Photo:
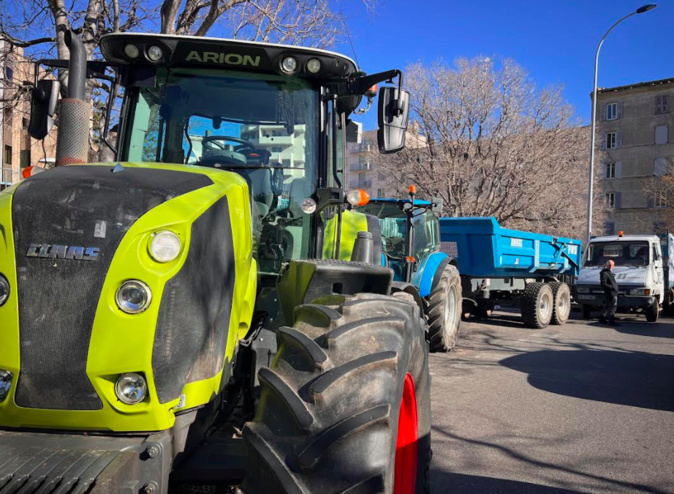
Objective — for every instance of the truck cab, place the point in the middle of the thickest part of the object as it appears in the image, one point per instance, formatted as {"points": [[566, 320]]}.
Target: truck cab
{"points": [[639, 271]]}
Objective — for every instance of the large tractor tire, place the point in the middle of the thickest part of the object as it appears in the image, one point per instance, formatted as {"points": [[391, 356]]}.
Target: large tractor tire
{"points": [[536, 305], [345, 408], [444, 311], [561, 308]]}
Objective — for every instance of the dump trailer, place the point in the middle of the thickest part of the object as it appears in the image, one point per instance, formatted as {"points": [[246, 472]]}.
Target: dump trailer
{"points": [[410, 234], [642, 268], [204, 312], [503, 267]]}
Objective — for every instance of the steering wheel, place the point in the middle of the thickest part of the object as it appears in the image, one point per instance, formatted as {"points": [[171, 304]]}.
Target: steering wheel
{"points": [[243, 144], [391, 245]]}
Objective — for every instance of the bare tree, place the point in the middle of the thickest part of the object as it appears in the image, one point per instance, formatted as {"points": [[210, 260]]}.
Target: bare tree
{"points": [[659, 191], [491, 144]]}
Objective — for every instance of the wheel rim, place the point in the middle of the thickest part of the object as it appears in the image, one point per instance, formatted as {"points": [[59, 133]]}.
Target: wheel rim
{"points": [[407, 442], [545, 306], [564, 305], [450, 310]]}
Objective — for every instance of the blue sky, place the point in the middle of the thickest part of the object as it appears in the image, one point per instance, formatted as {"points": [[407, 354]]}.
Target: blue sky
{"points": [[554, 40]]}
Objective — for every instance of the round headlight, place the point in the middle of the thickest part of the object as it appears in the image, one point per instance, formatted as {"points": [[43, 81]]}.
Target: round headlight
{"points": [[314, 65], [289, 65], [131, 388], [131, 51], [164, 246], [154, 53], [5, 384], [4, 290], [133, 297]]}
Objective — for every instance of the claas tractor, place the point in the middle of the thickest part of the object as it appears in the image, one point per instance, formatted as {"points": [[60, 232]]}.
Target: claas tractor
{"points": [[410, 235], [205, 313]]}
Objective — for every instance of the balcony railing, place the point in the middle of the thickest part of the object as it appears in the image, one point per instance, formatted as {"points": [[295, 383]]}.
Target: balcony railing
{"points": [[360, 184], [9, 176], [358, 167]]}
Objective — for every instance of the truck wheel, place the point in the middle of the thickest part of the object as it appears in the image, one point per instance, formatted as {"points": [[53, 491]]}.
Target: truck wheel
{"points": [[587, 311], [444, 311], [561, 308], [536, 305], [652, 312], [345, 408]]}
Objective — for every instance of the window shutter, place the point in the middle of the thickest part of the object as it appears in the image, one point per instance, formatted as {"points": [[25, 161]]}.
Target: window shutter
{"points": [[619, 110], [619, 169], [603, 141], [618, 197], [618, 139], [602, 113], [650, 202]]}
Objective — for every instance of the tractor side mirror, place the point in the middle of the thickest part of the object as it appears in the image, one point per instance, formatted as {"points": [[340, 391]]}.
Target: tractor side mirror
{"points": [[394, 113], [43, 100]]}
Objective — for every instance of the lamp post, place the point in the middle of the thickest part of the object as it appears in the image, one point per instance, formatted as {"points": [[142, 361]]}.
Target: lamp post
{"points": [[640, 10]]}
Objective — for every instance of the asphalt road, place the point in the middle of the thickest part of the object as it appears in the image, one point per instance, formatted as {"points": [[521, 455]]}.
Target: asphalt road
{"points": [[580, 408]]}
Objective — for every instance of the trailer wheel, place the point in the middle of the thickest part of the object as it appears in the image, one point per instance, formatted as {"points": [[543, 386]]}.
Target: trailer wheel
{"points": [[561, 308], [587, 311], [444, 311], [346, 405], [537, 305], [652, 312]]}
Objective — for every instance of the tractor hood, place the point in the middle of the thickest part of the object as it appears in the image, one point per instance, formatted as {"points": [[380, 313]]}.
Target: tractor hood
{"points": [[73, 236], [634, 276]]}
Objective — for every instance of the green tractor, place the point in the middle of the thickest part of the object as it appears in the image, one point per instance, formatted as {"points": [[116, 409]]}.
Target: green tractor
{"points": [[205, 313]]}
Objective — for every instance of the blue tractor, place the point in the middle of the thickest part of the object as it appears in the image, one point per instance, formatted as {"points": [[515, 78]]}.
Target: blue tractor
{"points": [[411, 248]]}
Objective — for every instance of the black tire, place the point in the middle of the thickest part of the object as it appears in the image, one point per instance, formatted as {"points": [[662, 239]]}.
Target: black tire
{"points": [[587, 311], [327, 422], [652, 312], [536, 305], [561, 309], [444, 311]]}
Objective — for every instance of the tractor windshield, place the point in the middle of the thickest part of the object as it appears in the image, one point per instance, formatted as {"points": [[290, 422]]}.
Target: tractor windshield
{"points": [[263, 127]]}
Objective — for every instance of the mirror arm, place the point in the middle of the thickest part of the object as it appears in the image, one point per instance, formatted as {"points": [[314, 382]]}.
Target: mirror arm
{"points": [[359, 85], [111, 99]]}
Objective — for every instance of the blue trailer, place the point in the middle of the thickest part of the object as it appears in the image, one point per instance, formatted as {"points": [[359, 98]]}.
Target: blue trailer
{"points": [[411, 248], [505, 267]]}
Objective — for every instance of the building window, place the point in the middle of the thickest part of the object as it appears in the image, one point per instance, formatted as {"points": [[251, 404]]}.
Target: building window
{"points": [[24, 158], [610, 200], [609, 228], [660, 199], [610, 170], [9, 73], [277, 149], [662, 104], [612, 111], [661, 167], [363, 163], [8, 155], [661, 134], [611, 140], [381, 193]]}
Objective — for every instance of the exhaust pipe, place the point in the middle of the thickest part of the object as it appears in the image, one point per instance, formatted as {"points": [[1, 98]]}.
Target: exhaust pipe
{"points": [[72, 145]]}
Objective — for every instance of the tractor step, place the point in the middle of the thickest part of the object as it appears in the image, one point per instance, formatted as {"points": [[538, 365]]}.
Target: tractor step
{"points": [[216, 460], [47, 463]]}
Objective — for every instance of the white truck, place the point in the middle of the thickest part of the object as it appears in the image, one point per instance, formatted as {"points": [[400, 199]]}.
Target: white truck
{"points": [[644, 270]]}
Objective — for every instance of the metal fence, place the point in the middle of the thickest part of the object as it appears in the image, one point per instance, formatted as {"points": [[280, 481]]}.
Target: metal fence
{"points": [[9, 176]]}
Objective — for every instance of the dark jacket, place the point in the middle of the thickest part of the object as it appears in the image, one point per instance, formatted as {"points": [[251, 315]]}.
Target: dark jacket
{"points": [[608, 282]]}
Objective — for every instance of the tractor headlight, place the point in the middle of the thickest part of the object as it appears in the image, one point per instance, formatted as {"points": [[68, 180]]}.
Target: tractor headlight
{"points": [[133, 297], [4, 290], [131, 51], [640, 291], [131, 388], [154, 53], [314, 65], [5, 384], [165, 246], [289, 65]]}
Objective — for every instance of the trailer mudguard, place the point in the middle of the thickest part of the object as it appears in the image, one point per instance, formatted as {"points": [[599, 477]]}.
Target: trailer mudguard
{"points": [[428, 274]]}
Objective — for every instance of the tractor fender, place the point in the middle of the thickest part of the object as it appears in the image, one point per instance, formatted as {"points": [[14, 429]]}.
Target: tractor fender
{"points": [[428, 275], [401, 286]]}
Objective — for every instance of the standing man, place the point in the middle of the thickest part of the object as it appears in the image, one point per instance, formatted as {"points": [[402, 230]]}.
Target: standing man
{"points": [[608, 283]]}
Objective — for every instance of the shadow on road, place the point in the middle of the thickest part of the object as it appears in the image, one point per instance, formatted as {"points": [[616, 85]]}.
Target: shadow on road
{"points": [[457, 483], [637, 379]]}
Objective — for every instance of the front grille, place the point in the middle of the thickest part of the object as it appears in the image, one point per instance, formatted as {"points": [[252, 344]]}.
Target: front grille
{"points": [[86, 206]]}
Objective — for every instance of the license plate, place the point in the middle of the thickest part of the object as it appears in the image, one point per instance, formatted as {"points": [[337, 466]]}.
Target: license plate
{"points": [[585, 297]]}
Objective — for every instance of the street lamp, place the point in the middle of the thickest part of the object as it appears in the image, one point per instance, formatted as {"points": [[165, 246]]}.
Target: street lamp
{"points": [[640, 10]]}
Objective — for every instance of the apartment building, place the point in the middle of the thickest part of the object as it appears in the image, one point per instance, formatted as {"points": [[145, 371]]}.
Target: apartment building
{"points": [[636, 147], [19, 150], [361, 169]]}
